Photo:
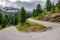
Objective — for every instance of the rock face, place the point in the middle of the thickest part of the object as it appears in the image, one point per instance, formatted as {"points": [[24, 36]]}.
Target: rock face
{"points": [[54, 17]]}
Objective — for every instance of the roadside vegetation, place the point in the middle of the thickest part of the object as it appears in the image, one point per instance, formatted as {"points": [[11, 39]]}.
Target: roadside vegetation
{"points": [[3, 20], [51, 12], [24, 25], [31, 27]]}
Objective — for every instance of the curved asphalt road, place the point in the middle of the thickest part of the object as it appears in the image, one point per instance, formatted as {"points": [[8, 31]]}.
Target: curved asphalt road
{"points": [[11, 33]]}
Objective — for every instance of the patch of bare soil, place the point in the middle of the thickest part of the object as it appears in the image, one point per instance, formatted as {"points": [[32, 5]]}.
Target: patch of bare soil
{"points": [[53, 17], [37, 29]]}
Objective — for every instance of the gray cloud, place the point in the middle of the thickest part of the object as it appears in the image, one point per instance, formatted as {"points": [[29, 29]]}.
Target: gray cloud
{"points": [[28, 5], [4, 0]]}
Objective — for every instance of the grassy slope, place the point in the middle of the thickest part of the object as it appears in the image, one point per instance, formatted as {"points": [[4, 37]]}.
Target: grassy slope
{"points": [[46, 13], [29, 26]]}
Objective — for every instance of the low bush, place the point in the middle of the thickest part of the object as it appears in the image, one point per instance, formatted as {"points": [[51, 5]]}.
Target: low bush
{"points": [[21, 27], [30, 27], [35, 24], [0, 27]]}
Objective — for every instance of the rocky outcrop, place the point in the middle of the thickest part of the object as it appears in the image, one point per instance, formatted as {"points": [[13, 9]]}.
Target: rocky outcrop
{"points": [[54, 17]]}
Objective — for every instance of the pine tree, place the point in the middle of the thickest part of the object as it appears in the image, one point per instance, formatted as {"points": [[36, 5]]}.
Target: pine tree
{"points": [[38, 10], [0, 18], [23, 15], [15, 19], [58, 5], [48, 5], [34, 13], [4, 20], [28, 15], [53, 7]]}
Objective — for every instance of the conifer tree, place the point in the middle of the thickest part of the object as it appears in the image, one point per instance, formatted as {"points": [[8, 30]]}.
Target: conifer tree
{"points": [[58, 5], [38, 10], [23, 15], [48, 5], [53, 6], [34, 12], [15, 19], [4, 20], [0, 18]]}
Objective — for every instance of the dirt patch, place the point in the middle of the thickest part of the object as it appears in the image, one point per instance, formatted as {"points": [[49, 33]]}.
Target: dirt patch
{"points": [[33, 28], [53, 17]]}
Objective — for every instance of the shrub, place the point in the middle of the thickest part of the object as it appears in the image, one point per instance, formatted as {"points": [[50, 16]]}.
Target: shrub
{"points": [[35, 24], [0, 27], [21, 27], [29, 26]]}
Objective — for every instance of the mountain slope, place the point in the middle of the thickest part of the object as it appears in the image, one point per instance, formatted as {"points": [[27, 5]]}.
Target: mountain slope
{"points": [[54, 17]]}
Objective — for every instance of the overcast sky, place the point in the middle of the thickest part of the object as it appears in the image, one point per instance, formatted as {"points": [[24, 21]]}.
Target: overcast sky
{"points": [[21, 0], [3, 2], [14, 3]]}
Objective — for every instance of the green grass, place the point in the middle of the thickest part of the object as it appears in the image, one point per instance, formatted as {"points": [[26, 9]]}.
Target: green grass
{"points": [[42, 14], [1, 27], [45, 13], [28, 24], [35, 24], [21, 27]]}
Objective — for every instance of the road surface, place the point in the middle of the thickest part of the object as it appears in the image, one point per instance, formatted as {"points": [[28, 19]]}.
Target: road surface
{"points": [[11, 33]]}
